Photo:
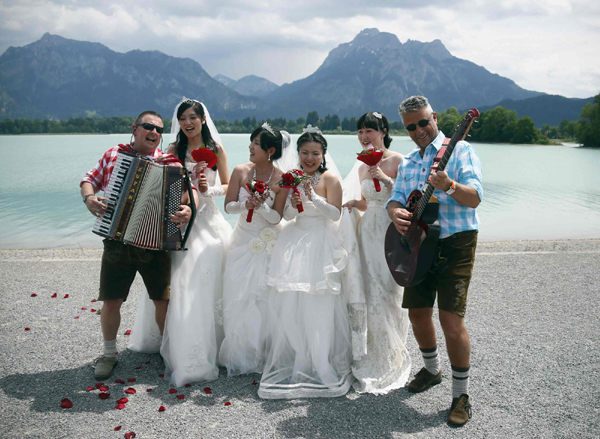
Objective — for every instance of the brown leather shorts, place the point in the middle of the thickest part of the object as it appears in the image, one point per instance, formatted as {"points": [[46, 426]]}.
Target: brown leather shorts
{"points": [[121, 262], [449, 276]]}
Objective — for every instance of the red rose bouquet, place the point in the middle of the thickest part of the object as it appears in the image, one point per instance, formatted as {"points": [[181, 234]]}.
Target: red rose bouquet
{"points": [[258, 191], [370, 156], [205, 155], [291, 180]]}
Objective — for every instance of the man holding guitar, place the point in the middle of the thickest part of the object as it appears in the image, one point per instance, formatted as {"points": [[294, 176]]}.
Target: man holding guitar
{"points": [[459, 191]]}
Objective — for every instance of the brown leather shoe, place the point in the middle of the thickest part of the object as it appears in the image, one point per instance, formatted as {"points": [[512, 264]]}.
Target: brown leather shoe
{"points": [[460, 411], [423, 380]]}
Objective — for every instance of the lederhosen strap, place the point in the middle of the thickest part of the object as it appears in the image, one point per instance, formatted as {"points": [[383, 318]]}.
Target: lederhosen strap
{"points": [[438, 157]]}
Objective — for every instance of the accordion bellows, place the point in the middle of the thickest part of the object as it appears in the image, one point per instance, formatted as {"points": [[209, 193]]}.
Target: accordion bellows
{"points": [[141, 196]]}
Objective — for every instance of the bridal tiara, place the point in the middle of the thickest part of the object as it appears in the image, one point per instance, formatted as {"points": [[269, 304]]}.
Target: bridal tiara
{"points": [[310, 129], [188, 101], [268, 128]]}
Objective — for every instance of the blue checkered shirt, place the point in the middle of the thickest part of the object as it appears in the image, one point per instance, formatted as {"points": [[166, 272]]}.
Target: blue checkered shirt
{"points": [[463, 167]]}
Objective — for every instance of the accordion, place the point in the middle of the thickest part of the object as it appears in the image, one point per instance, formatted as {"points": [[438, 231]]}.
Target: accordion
{"points": [[140, 197]]}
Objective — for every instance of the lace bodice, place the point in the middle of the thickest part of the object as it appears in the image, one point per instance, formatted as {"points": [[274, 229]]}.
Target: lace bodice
{"points": [[372, 196]]}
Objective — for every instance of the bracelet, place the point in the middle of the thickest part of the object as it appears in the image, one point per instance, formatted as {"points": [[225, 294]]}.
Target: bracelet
{"points": [[86, 197], [389, 182]]}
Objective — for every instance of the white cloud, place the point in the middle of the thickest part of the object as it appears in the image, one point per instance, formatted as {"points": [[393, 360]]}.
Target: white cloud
{"points": [[544, 45]]}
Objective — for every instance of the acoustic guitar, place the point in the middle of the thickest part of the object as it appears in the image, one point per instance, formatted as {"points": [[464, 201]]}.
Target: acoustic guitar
{"points": [[409, 257]]}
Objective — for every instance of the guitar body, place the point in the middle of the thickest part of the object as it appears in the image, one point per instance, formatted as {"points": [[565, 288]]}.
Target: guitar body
{"points": [[409, 258]]}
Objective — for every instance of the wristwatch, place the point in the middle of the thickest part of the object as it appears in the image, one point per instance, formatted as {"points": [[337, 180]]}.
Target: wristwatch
{"points": [[86, 197], [451, 189]]}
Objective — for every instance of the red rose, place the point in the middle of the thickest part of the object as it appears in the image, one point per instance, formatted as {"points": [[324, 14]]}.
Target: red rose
{"points": [[288, 179], [259, 187]]}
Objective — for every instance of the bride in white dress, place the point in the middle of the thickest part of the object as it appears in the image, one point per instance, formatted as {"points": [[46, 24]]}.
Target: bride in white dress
{"points": [[311, 349], [193, 326], [245, 307], [386, 365]]}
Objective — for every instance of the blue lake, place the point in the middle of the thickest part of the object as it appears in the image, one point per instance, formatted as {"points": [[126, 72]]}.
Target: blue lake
{"points": [[530, 192]]}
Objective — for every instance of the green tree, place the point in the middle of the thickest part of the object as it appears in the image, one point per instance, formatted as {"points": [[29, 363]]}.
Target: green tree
{"points": [[524, 131], [588, 131], [312, 118], [448, 120]]}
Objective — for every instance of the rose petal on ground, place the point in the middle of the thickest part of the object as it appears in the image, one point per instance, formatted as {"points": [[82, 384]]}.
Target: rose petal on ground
{"points": [[131, 380], [119, 381], [34, 295], [180, 396], [120, 406], [129, 435], [187, 385], [130, 391], [98, 385], [92, 310], [123, 401], [89, 389], [103, 388], [161, 408], [66, 403], [227, 403], [117, 428], [54, 295], [83, 308], [66, 296], [138, 368], [128, 332], [172, 390], [76, 317], [104, 395], [162, 375], [26, 329], [149, 390], [207, 389], [254, 383], [93, 300], [148, 362]]}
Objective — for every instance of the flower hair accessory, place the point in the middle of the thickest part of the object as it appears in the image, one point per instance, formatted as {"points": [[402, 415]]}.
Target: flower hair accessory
{"points": [[376, 114], [268, 128], [310, 129]]}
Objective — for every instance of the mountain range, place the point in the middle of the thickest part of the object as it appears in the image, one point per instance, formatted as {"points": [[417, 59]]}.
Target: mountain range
{"points": [[59, 78]]}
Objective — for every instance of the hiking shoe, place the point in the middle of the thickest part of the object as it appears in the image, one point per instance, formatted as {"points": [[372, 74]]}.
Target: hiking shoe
{"points": [[460, 411], [423, 380], [103, 366]]}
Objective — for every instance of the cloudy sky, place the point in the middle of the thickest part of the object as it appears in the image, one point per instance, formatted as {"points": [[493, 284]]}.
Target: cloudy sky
{"points": [[551, 46]]}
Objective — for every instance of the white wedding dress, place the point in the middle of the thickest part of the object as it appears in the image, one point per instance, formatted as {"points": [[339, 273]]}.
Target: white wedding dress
{"points": [[311, 347], [386, 365], [194, 324], [245, 307]]}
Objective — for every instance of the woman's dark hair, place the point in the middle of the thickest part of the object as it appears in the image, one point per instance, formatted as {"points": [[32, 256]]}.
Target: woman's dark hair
{"points": [[182, 140], [268, 141], [314, 137], [369, 120]]}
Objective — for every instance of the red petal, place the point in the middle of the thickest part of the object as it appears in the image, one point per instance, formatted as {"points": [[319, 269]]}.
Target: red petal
{"points": [[129, 435], [130, 391], [92, 310], [254, 383], [123, 401], [128, 332], [26, 329], [104, 395], [66, 296], [55, 295], [131, 380], [207, 389], [227, 403], [120, 406], [76, 317], [161, 408], [162, 375], [172, 390], [103, 388], [119, 381], [149, 390], [147, 362], [180, 396], [98, 385], [117, 428], [89, 389], [187, 385], [34, 295], [83, 308], [93, 300], [138, 368], [66, 403]]}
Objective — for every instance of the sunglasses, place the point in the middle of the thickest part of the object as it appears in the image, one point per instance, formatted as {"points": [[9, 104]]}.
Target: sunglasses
{"points": [[422, 123], [159, 130]]}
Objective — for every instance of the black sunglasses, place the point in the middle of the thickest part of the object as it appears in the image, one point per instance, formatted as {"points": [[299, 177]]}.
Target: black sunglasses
{"points": [[159, 130], [422, 123]]}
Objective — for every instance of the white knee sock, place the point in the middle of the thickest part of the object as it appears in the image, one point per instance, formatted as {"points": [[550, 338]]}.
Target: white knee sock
{"points": [[431, 360], [110, 348], [460, 381]]}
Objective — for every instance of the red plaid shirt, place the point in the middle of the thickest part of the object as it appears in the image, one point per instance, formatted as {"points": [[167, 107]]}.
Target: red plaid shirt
{"points": [[100, 175]]}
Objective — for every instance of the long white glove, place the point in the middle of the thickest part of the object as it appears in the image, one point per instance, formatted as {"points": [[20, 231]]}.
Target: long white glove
{"points": [[235, 207], [271, 215], [289, 212], [214, 191], [329, 210]]}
